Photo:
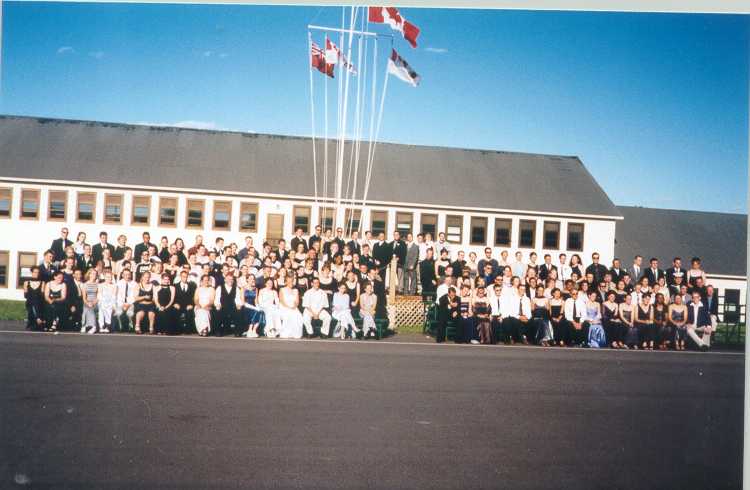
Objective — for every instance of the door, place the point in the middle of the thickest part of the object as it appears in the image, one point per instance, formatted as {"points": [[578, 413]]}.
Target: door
{"points": [[274, 228]]}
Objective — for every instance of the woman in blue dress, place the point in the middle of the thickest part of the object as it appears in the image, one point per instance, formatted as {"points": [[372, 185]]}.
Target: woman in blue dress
{"points": [[253, 315], [596, 339]]}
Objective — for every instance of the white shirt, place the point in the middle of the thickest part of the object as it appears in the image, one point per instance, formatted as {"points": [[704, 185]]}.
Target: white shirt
{"points": [[441, 291], [565, 271], [315, 300], [122, 298], [580, 307], [423, 250], [341, 302], [513, 305], [695, 307], [496, 303]]}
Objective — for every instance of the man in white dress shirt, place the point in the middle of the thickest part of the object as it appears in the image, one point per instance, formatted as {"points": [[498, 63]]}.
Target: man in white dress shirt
{"points": [[575, 319], [442, 290], [515, 310], [314, 302], [126, 292]]}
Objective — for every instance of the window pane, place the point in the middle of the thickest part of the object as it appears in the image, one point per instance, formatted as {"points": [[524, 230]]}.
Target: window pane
{"points": [[86, 206], [26, 260], [29, 204], [141, 210], [429, 224], [326, 218], [454, 228], [575, 236], [4, 260], [353, 218], [6, 196], [249, 216], [404, 222], [222, 215], [112, 208], [302, 218], [527, 232], [275, 228], [57, 203], [194, 214], [551, 235], [503, 228], [479, 231], [167, 211], [379, 222]]}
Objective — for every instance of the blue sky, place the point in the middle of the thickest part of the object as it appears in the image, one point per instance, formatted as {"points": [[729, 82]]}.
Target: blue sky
{"points": [[656, 105]]}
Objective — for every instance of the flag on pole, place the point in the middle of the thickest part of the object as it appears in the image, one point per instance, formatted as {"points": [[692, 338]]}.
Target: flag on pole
{"points": [[334, 54], [319, 61], [390, 16], [398, 67]]}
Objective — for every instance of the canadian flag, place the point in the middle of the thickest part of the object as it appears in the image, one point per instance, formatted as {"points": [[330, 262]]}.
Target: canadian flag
{"points": [[398, 67], [334, 54], [390, 16], [319, 61]]}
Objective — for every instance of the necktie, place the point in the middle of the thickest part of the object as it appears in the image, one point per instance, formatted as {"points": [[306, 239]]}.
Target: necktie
{"points": [[126, 291], [574, 310], [520, 306]]}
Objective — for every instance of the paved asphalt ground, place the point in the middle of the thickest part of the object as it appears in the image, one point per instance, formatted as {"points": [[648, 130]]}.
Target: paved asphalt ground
{"points": [[80, 411]]}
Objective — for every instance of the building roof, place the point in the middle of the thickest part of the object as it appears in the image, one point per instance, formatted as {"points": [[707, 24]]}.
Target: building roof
{"points": [[169, 157], [719, 239]]}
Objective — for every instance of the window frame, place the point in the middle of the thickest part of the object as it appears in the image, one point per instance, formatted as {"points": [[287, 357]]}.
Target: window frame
{"points": [[79, 201], [275, 240], [461, 229], [243, 207], [296, 212], [434, 232], [373, 213], [357, 218], [190, 205], [6, 254], [325, 212], [121, 205], [485, 221], [10, 191], [398, 222], [19, 283], [50, 195], [135, 198], [533, 233], [38, 197], [510, 232], [567, 236], [544, 235], [223, 205], [162, 200]]}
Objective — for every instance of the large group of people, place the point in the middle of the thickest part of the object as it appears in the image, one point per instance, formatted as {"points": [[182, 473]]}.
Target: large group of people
{"points": [[338, 285]]}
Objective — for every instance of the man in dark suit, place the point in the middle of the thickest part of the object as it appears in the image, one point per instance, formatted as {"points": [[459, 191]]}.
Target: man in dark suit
{"points": [[596, 269], [546, 267], [676, 271], [447, 311], [459, 264], [339, 239], [315, 237], [143, 246], [59, 245], [653, 273], [382, 252], [353, 244], [297, 239], [399, 251], [366, 257], [86, 261], [488, 260], [282, 253], [617, 272], [699, 326], [47, 267], [98, 250], [184, 303], [636, 270], [411, 260]]}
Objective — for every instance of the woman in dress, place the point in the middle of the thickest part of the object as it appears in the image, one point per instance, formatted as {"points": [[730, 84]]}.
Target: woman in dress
{"points": [[557, 317], [165, 291], [204, 298], [467, 332], [620, 292], [172, 267], [353, 291], [576, 267], [125, 263], [368, 303], [342, 313], [291, 318], [644, 321], [300, 281], [441, 264], [80, 243], [540, 317], [253, 313], [472, 265], [298, 259], [106, 261], [33, 292], [143, 305], [107, 301], [678, 314], [662, 288], [663, 329], [90, 302], [695, 272], [613, 328], [55, 297], [482, 315], [268, 302], [627, 315], [327, 282], [597, 337], [337, 267]]}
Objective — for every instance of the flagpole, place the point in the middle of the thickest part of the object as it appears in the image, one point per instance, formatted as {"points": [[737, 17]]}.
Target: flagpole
{"points": [[312, 117]]}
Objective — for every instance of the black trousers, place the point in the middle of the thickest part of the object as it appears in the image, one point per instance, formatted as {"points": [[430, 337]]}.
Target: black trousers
{"points": [[576, 336], [442, 327], [615, 331], [228, 320], [560, 330], [57, 314], [184, 320], [514, 329]]}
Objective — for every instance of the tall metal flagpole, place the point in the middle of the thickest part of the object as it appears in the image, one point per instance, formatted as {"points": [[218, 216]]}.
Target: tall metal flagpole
{"points": [[1, 48], [312, 115]]}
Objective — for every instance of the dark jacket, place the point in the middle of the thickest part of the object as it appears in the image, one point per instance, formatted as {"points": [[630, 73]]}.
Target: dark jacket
{"points": [[58, 248], [183, 298], [653, 278], [399, 250], [382, 253], [545, 269], [97, 251], [139, 249], [597, 270], [672, 273], [703, 316], [446, 308]]}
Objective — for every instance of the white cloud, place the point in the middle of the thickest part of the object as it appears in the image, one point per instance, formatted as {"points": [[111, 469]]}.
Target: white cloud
{"points": [[65, 49], [182, 124], [436, 50], [96, 54]]}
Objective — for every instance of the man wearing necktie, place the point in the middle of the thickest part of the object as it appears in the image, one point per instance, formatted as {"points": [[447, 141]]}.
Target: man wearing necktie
{"points": [[184, 303]]}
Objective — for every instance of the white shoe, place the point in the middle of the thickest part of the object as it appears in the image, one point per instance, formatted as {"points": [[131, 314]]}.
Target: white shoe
{"points": [[83, 329], [105, 330], [474, 341], [92, 331]]}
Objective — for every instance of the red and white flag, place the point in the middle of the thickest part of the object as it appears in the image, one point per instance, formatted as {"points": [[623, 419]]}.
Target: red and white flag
{"points": [[319, 61], [334, 55], [390, 16], [398, 67]]}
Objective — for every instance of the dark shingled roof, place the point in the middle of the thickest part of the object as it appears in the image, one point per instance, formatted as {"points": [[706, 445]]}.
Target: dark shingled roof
{"points": [[719, 239], [257, 163]]}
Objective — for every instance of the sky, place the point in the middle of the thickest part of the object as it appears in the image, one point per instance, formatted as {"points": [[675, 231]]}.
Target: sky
{"points": [[655, 105]]}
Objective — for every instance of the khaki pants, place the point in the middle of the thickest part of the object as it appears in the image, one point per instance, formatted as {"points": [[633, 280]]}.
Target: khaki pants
{"points": [[324, 317], [699, 335]]}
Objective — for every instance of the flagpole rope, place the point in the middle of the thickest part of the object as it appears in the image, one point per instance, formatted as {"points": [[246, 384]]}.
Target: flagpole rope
{"points": [[355, 141], [325, 146], [312, 116], [371, 126], [377, 134], [360, 119], [344, 117]]}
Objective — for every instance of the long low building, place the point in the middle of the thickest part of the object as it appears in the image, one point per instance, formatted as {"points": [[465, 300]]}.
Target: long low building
{"points": [[178, 182]]}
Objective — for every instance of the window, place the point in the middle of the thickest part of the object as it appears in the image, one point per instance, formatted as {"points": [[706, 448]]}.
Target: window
{"points": [[194, 215], [113, 208], [86, 208], [429, 224], [353, 219], [575, 237], [378, 222], [141, 210], [274, 228], [26, 260], [478, 231], [222, 215], [404, 223], [302, 218], [167, 211], [527, 234], [551, 236], [4, 259], [29, 204], [503, 230], [454, 228], [6, 200], [58, 202], [326, 218], [249, 217]]}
